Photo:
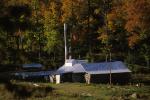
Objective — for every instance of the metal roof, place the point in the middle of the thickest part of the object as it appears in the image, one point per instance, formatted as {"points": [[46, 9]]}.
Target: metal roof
{"points": [[31, 74], [65, 69], [95, 68], [32, 65]]}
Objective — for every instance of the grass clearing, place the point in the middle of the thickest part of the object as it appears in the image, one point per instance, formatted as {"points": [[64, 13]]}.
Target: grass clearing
{"points": [[101, 91], [73, 91]]}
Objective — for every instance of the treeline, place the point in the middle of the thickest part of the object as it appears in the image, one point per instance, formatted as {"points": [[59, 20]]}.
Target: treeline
{"points": [[32, 31]]}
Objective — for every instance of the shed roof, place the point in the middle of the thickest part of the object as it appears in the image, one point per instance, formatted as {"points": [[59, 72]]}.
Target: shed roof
{"points": [[32, 65], [95, 68], [30, 74]]}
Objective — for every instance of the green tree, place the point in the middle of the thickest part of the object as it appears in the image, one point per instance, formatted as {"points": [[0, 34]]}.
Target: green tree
{"points": [[51, 31]]}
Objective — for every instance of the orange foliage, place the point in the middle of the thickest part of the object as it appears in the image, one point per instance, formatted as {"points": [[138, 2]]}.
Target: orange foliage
{"points": [[72, 8], [115, 16], [134, 17], [66, 8], [137, 14], [103, 37], [133, 39]]}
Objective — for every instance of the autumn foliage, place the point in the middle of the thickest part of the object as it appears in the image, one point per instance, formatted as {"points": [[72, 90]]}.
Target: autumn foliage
{"points": [[32, 30]]}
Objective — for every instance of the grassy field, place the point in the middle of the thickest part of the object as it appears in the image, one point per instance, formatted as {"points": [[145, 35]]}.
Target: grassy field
{"points": [[72, 91]]}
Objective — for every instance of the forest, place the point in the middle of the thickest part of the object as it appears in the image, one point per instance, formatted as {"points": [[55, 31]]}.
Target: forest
{"points": [[97, 30]]}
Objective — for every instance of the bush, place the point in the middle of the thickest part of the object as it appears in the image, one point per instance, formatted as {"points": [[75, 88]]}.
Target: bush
{"points": [[24, 90]]}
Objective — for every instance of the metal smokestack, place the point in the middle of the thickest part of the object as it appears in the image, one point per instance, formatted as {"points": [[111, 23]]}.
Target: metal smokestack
{"points": [[65, 29]]}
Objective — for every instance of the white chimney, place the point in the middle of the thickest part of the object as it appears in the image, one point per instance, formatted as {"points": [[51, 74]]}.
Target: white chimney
{"points": [[65, 29]]}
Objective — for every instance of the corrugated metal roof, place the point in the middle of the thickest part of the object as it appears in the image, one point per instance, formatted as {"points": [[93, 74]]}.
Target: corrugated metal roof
{"points": [[108, 71], [96, 68], [78, 68], [32, 65], [65, 69], [117, 65], [29, 74]]}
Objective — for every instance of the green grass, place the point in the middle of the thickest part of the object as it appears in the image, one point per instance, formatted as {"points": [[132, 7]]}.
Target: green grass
{"points": [[73, 91], [100, 91]]}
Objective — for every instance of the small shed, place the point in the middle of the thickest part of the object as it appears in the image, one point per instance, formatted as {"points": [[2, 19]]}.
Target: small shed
{"points": [[35, 76], [99, 72]]}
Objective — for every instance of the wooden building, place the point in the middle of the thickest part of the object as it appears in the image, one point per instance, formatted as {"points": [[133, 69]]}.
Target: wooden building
{"points": [[81, 71]]}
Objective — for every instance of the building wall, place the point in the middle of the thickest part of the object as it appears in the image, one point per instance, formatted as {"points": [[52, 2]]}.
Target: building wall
{"points": [[66, 77], [78, 77], [73, 77], [120, 78]]}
